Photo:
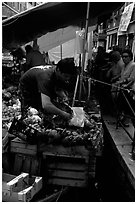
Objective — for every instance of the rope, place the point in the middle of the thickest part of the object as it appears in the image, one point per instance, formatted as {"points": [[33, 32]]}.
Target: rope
{"points": [[122, 89], [105, 83], [118, 87]]}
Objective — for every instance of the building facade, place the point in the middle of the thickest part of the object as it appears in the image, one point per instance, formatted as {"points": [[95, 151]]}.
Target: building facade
{"points": [[119, 29], [12, 8]]}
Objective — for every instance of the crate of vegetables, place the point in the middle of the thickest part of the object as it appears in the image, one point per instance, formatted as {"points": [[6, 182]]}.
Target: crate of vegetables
{"points": [[71, 158], [69, 149]]}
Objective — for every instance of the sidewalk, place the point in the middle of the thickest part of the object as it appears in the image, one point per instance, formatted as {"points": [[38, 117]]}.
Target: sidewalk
{"points": [[122, 144]]}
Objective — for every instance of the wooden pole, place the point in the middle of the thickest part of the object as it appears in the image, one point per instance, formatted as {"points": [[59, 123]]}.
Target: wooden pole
{"points": [[74, 97], [84, 50]]}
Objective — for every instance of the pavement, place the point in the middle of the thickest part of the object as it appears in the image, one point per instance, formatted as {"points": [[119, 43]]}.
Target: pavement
{"points": [[122, 142]]}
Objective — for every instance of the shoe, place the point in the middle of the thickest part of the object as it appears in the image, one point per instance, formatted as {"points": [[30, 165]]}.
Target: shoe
{"points": [[124, 120], [125, 124]]}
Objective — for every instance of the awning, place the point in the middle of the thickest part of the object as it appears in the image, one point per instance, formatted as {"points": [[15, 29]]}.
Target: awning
{"points": [[58, 37], [112, 31], [48, 17]]}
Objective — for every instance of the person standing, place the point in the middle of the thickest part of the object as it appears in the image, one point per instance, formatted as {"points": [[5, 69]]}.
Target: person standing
{"points": [[112, 76], [33, 57], [127, 78], [117, 66], [127, 85]]}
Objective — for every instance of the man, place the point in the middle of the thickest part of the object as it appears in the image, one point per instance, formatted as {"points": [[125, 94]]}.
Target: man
{"points": [[33, 57], [127, 78], [113, 75], [39, 87], [117, 66], [127, 84]]}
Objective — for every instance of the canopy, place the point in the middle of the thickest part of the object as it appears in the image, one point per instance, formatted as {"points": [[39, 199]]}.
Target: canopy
{"points": [[67, 49], [48, 17], [58, 37], [65, 42]]}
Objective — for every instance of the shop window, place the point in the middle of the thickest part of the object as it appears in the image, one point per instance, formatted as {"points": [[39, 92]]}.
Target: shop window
{"points": [[114, 39], [110, 41], [122, 41], [130, 40]]}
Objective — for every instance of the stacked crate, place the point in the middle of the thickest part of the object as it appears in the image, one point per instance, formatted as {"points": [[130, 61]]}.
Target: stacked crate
{"points": [[26, 157], [67, 166]]}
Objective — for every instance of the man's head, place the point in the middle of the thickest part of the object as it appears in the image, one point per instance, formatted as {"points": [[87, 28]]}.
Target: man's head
{"points": [[127, 56], [101, 49], [116, 48], [65, 69], [115, 56], [28, 48]]}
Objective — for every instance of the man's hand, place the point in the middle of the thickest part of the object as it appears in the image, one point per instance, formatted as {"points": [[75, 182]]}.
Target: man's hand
{"points": [[62, 95], [124, 86], [119, 82], [51, 108]]}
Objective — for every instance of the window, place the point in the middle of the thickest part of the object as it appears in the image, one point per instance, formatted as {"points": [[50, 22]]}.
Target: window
{"points": [[122, 41]]}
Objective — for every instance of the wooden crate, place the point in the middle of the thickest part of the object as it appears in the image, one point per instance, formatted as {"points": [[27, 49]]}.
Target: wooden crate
{"points": [[20, 188], [26, 158], [20, 146], [69, 166], [6, 137], [27, 163]]}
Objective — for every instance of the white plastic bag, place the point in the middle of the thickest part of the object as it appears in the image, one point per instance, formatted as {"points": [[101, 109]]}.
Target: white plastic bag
{"points": [[78, 117]]}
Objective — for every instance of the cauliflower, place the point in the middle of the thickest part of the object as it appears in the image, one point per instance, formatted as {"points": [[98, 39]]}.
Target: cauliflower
{"points": [[32, 111]]}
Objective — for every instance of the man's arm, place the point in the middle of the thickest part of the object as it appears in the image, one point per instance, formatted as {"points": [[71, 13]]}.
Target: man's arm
{"points": [[49, 107], [114, 79]]}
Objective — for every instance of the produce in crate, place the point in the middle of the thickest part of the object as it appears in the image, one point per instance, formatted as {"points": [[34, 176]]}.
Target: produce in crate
{"points": [[69, 136], [52, 129], [11, 106], [84, 128]]}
